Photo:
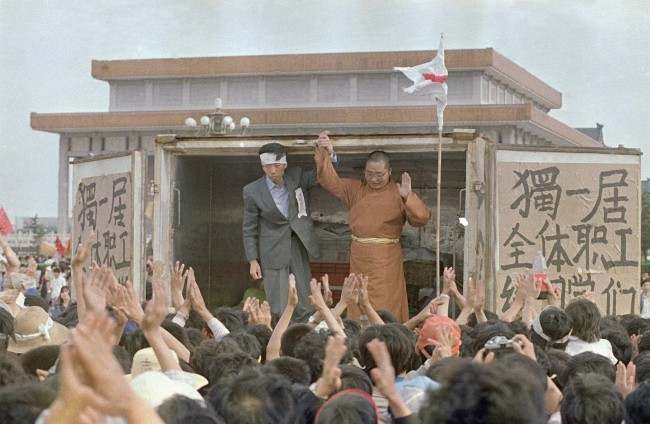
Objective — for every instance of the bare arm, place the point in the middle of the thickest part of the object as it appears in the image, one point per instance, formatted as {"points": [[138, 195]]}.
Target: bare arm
{"points": [[154, 315], [13, 264], [317, 300], [273, 347], [364, 303]]}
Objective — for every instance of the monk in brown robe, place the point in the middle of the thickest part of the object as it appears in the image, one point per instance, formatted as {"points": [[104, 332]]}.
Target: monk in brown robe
{"points": [[377, 210]]}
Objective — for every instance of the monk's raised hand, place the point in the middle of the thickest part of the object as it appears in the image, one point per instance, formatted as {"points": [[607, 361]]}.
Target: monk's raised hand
{"points": [[325, 142], [405, 185]]}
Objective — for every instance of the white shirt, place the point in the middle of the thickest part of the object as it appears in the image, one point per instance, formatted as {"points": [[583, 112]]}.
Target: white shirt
{"points": [[601, 347], [57, 284], [645, 306]]}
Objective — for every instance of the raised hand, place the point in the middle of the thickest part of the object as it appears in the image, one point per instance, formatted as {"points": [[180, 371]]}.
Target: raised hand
{"points": [[83, 250], [325, 142], [349, 293], [156, 309], [179, 276], [449, 281], [626, 378], [444, 345], [327, 293], [292, 297], [316, 297], [330, 379], [96, 288], [131, 303], [405, 185]]}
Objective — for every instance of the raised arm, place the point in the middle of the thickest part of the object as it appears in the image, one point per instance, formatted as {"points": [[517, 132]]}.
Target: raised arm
{"points": [[13, 264], [273, 347], [328, 178]]}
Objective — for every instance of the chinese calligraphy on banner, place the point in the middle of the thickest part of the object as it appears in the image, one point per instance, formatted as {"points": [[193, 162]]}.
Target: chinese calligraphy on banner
{"points": [[103, 204], [583, 217]]}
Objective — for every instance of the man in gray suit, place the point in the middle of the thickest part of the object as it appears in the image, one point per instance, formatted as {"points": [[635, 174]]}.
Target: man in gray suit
{"points": [[278, 231]]}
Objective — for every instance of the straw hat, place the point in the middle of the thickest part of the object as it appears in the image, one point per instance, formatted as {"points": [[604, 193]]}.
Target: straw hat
{"points": [[145, 360], [35, 328]]}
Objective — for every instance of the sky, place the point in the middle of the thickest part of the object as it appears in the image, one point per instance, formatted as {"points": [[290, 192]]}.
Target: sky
{"points": [[593, 52]]}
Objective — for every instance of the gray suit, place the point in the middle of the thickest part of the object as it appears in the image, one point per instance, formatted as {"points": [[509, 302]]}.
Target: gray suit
{"points": [[281, 244]]}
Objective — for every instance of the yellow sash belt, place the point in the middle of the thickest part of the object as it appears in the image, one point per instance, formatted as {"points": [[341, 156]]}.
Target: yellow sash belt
{"points": [[374, 240]]}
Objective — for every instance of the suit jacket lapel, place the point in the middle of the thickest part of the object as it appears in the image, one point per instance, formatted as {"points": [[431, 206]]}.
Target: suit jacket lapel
{"points": [[291, 187], [267, 198]]}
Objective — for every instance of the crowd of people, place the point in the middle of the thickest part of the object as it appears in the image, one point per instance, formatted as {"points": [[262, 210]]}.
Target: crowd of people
{"points": [[108, 357]]}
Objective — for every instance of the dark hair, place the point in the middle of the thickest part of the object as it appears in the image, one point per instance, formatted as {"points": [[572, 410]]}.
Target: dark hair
{"points": [[69, 317], [254, 398], [347, 407], [379, 156], [637, 405], [181, 409], [591, 398], [209, 349], [642, 362], [177, 331], [517, 361], [519, 327], [247, 343], [589, 362], [23, 403], [558, 360], [292, 336], [42, 357], [37, 301], [134, 341], [234, 319], [276, 148], [442, 369], [295, 370], [6, 329], [615, 333], [123, 358], [12, 372], [491, 316], [311, 349], [585, 318], [263, 334], [634, 324], [477, 393], [195, 336], [353, 377], [352, 331], [226, 365], [400, 347], [555, 324]]}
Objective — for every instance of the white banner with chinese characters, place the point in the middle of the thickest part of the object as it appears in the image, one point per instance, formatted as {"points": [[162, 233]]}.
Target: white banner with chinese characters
{"points": [[581, 210], [103, 204]]}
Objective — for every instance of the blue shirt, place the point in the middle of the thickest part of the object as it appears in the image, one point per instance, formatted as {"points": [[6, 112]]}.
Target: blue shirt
{"points": [[280, 196]]}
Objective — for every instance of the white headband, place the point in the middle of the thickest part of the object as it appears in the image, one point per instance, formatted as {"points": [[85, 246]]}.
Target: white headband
{"points": [[537, 328], [272, 158], [43, 331]]}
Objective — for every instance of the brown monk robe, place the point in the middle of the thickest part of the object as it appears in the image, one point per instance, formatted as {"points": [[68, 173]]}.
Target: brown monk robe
{"points": [[376, 215]]}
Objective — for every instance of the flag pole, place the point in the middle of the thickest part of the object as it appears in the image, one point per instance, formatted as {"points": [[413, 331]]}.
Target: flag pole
{"points": [[438, 191]]}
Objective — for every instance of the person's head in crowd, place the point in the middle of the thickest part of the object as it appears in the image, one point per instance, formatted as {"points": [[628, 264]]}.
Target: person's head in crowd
{"points": [[226, 365], [588, 362], [486, 330], [156, 387], [35, 328], [472, 321], [247, 343], [195, 321], [642, 362], [31, 300], [644, 342], [295, 370], [615, 333], [273, 157], [69, 318], [400, 347], [291, 336], [387, 316], [23, 403], [352, 331], [12, 372], [64, 296], [177, 331], [377, 171], [311, 349], [516, 361], [348, 406], [182, 409], [6, 329], [551, 328], [263, 334], [477, 393], [466, 341], [254, 397], [234, 319], [195, 336], [634, 324], [519, 327], [40, 358], [134, 341], [433, 329], [558, 360], [353, 377], [585, 320], [442, 369], [209, 350], [56, 271], [637, 405], [592, 399]]}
